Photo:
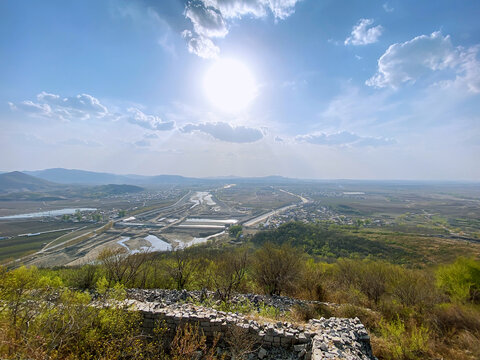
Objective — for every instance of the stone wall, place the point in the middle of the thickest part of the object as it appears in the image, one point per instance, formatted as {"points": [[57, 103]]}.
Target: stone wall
{"points": [[333, 338]]}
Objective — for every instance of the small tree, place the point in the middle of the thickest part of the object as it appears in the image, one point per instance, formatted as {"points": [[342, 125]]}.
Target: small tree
{"points": [[235, 230], [277, 268], [373, 279], [370, 277], [120, 266], [181, 268], [229, 273]]}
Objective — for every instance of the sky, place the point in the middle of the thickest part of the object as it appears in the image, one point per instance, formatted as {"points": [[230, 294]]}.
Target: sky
{"points": [[325, 89]]}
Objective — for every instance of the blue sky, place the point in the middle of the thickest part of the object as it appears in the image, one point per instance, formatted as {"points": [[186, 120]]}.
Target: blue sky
{"points": [[343, 89]]}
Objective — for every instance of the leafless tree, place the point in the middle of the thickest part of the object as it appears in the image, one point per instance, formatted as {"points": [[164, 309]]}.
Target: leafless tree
{"points": [[182, 268], [229, 273], [277, 268], [120, 266]]}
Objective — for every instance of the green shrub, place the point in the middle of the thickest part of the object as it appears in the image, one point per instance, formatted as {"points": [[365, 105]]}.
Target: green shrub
{"points": [[402, 344], [40, 318], [460, 280]]}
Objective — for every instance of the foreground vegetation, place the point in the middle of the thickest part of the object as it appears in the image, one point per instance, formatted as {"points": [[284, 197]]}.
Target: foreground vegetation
{"points": [[427, 313]]}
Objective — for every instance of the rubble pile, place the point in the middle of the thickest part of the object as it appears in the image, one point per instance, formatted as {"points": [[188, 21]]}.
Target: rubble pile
{"points": [[332, 338], [169, 297]]}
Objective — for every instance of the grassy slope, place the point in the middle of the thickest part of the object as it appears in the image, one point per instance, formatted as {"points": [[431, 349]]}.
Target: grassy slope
{"points": [[326, 241]]}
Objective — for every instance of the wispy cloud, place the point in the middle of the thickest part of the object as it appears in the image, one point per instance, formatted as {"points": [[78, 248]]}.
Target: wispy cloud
{"points": [[142, 143], [201, 45], [84, 107], [388, 8], [343, 138], [151, 122], [80, 142], [364, 33], [81, 106], [148, 18], [226, 132]]}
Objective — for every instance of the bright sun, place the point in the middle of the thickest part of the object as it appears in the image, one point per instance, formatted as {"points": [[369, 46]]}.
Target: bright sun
{"points": [[229, 85]]}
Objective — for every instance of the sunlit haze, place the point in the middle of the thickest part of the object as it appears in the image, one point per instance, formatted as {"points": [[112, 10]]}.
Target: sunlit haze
{"points": [[229, 85]]}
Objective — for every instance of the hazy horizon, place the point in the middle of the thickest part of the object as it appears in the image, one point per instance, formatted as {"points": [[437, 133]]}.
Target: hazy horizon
{"points": [[384, 90], [234, 176]]}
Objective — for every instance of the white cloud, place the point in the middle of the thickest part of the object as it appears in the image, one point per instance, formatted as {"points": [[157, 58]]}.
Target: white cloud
{"points": [[406, 62], [226, 132], [82, 107], [363, 33], [388, 8], [280, 9], [237, 8], [209, 19], [150, 122], [468, 74], [31, 108], [200, 45], [343, 138]]}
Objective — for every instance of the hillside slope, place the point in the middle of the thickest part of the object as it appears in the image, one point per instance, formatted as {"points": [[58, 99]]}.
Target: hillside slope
{"points": [[17, 181]]}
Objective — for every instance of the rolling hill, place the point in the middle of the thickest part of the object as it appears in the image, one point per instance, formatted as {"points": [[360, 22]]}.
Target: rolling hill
{"points": [[17, 181]]}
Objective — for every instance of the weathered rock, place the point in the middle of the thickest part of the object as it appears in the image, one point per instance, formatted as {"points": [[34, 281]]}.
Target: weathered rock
{"points": [[262, 353]]}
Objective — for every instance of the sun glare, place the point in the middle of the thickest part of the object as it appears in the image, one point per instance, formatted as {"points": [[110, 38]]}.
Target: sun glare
{"points": [[229, 85]]}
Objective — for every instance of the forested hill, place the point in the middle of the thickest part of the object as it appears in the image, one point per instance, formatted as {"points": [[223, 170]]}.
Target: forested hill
{"points": [[327, 242]]}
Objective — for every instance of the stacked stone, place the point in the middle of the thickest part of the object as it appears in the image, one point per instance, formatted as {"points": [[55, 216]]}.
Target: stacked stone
{"points": [[339, 338], [333, 338]]}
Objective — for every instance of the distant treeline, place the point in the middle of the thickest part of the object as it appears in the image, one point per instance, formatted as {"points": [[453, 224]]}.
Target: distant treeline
{"points": [[327, 241]]}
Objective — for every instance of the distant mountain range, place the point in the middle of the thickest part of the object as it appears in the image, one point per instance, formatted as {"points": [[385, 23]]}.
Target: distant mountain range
{"points": [[58, 179], [71, 176]]}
